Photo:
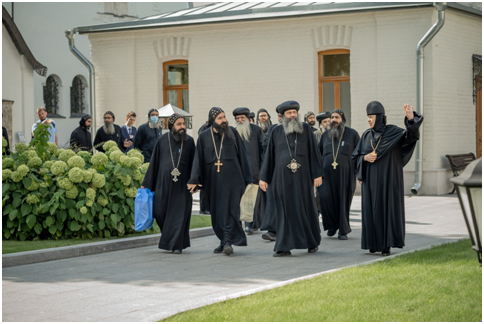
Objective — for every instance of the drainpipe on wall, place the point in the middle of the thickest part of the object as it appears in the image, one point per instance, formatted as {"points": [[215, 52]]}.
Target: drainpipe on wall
{"points": [[440, 7], [92, 98]]}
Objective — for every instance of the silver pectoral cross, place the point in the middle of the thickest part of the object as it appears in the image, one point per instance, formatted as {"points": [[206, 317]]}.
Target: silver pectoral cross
{"points": [[175, 173]]}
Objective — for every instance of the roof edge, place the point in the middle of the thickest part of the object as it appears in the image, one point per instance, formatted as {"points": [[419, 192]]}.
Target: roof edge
{"points": [[20, 43]]}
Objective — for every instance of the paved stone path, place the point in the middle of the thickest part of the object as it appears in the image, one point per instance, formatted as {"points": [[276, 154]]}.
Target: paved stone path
{"points": [[147, 284]]}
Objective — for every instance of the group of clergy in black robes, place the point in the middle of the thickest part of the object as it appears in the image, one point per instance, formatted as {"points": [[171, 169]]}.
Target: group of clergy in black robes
{"points": [[293, 163]]}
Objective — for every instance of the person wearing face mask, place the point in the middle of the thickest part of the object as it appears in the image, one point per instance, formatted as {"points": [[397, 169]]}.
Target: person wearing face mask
{"points": [[148, 134], [379, 158]]}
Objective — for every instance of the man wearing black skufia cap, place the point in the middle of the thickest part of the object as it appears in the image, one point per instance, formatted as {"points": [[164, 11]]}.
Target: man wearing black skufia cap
{"points": [[379, 159], [263, 120], [310, 119], [339, 179], [109, 132], [148, 134], [81, 137], [324, 120], [222, 169], [168, 175], [251, 135], [292, 168], [266, 199]]}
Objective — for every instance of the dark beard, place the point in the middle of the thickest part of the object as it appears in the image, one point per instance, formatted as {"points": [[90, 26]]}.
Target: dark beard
{"points": [[224, 128], [264, 125], [311, 123], [178, 136], [336, 131], [292, 125]]}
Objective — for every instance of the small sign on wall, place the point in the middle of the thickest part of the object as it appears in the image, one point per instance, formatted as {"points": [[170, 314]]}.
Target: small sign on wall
{"points": [[21, 137]]}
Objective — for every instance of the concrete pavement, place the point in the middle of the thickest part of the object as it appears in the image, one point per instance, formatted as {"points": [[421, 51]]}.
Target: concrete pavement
{"points": [[147, 284]]}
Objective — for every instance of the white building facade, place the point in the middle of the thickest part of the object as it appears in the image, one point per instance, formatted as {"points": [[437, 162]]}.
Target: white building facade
{"points": [[258, 55], [64, 91]]}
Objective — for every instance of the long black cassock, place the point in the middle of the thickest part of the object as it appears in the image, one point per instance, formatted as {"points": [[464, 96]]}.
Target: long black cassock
{"points": [[294, 206], [224, 189], [382, 196], [266, 199], [204, 203], [339, 184], [172, 203], [254, 151]]}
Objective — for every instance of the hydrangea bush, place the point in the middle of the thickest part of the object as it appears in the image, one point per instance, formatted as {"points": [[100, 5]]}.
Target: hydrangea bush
{"points": [[51, 193]]}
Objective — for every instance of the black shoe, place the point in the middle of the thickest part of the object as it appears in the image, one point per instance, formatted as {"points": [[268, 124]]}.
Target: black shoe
{"points": [[281, 254], [342, 237], [269, 236], [177, 251], [331, 232], [372, 251], [219, 249], [313, 250], [249, 230], [228, 249], [386, 252]]}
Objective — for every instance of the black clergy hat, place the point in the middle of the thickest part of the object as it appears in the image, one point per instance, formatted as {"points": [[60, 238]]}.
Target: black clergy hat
{"points": [[252, 115], [109, 113], [241, 111], [375, 108], [323, 115], [288, 105], [341, 113], [173, 118], [213, 113]]}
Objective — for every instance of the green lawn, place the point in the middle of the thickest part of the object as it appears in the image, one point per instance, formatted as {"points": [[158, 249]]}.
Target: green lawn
{"points": [[10, 246], [443, 283]]}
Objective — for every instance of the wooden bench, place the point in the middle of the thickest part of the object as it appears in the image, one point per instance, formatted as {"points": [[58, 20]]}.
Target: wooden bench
{"points": [[458, 162]]}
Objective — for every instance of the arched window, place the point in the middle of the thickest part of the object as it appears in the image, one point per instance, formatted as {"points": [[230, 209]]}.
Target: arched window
{"points": [[175, 86], [78, 97], [51, 95], [334, 81]]}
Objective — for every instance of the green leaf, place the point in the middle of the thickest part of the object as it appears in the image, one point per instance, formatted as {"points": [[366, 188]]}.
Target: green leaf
{"points": [[31, 220], [130, 202], [13, 214], [83, 185], [105, 211], [10, 224], [89, 227], [82, 194], [123, 172], [61, 216], [38, 228], [126, 209], [49, 220], [97, 207], [6, 233], [107, 234], [34, 176], [117, 168], [72, 213], [54, 208], [119, 217], [16, 202], [121, 193], [74, 226], [52, 229], [70, 204], [117, 184], [26, 209], [80, 203], [84, 218], [120, 228], [7, 209], [115, 208], [43, 191], [114, 219], [101, 224], [5, 186], [45, 208], [27, 182], [108, 186]]}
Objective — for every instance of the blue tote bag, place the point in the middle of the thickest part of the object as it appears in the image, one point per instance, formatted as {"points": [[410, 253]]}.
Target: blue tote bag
{"points": [[143, 210]]}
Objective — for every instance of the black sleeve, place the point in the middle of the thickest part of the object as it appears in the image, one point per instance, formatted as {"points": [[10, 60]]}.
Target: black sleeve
{"points": [[97, 140], [268, 165], [139, 137], [314, 157], [412, 133], [74, 141], [244, 163], [5, 135], [196, 175], [151, 175]]}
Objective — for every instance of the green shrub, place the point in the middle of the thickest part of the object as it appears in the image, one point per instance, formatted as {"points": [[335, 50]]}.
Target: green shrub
{"points": [[50, 193]]}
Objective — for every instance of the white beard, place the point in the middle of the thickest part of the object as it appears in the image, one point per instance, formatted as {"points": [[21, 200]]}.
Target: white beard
{"points": [[244, 130], [292, 126], [109, 129]]}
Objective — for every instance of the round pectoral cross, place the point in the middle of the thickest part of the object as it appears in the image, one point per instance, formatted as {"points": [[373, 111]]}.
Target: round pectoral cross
{"points": [[293, 166]]}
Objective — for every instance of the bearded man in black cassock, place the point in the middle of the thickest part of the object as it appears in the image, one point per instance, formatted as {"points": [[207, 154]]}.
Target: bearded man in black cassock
{"points": [[263, 120], [168, 175], [110, 132], [339, 178], [222, 169], [292, 168], [379, 159]]}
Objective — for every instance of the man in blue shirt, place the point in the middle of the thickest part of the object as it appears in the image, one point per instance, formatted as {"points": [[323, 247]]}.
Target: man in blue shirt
{"points": [[42, 114]]}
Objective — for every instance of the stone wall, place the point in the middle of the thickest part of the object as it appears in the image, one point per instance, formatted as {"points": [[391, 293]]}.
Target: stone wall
{"points": [[7, 118]]}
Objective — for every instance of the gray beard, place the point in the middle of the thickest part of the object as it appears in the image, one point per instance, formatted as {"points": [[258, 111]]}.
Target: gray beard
{"points": [[264, 125], [336, 131], [109, 128], [153, 125], [292, 126], [244, 130]]}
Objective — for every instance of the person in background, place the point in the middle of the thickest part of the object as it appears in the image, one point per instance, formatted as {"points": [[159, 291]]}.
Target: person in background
{"points": [[128, 130], [5, 135], [42, 114], [81, 137], [251, 117], [109, 132], [148, 134]]}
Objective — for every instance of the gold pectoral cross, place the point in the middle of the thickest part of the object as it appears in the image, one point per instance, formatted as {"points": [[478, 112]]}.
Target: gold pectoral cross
{"points": [[334, 164], [218, 164], [175, 173]]}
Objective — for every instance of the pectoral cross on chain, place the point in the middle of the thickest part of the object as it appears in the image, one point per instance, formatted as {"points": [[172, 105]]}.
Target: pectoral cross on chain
{"points": [[218, 164], [175, 173], [334, 164]]}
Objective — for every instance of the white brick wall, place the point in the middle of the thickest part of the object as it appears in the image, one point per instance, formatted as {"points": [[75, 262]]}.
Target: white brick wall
{"points": [[261, 64]]}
